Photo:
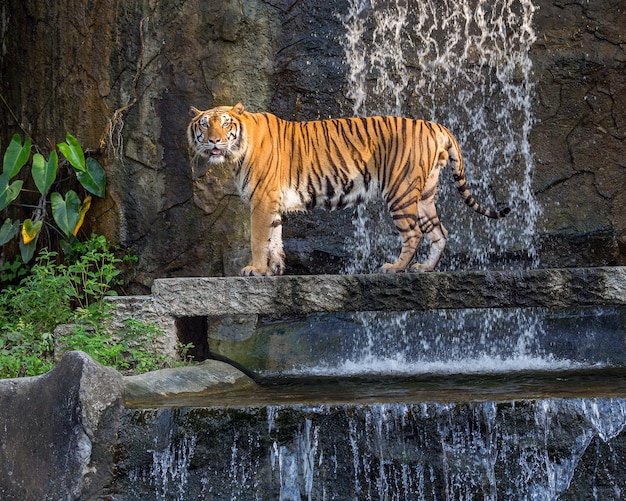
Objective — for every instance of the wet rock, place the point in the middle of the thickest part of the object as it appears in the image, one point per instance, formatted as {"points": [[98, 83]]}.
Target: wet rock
{"points": [[503, 450], [59, 430], [549, 288]]}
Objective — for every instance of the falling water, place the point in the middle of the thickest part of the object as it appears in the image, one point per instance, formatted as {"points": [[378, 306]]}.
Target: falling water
{"points": [[464, 64], [535, 450], [438, 342]]}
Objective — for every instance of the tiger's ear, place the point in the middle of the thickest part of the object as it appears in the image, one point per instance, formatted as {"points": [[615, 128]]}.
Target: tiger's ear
{"points": [[194, 112], [238, 109]]}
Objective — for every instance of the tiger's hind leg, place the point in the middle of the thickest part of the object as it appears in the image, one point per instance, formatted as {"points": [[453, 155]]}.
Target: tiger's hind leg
{"points": [[434, 232], [428, 221], [404, 217]]}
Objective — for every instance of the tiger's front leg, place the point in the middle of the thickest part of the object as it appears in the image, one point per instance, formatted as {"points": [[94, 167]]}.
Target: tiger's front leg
{"points": [[266, 242], [276, 252]]}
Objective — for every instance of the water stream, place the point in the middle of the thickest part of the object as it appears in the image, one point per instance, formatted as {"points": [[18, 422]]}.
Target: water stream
{"points": [[464, 64], [447, 342]]}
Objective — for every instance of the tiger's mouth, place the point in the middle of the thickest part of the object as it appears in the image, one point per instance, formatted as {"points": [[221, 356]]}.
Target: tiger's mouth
{"points": [[215, 152]]}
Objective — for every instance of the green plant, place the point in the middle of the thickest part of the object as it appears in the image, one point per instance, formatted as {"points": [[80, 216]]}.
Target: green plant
{"points": [[42, 299], [54, 293], [140, 339], [132, 350], [72, 292], [93, 271], [28, 315], [68, 211], [12, 270]]}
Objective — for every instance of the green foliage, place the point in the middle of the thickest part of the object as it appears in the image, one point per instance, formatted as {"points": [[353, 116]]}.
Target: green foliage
{"points": [[44, 172], [27, 249], [67, 210], [12, 270], [8, 192], [92, 272], [93, 178], [8, 230], [132, 351], [73, 152], [65, 287], [16, 156], [71, 292]]}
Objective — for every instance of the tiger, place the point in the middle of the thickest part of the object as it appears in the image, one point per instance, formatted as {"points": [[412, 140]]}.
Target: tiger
{"points": [[282, 166]]}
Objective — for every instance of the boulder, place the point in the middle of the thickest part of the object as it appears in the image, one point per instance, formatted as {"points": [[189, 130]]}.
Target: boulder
{"points": [[57, 430], [211, 380]]}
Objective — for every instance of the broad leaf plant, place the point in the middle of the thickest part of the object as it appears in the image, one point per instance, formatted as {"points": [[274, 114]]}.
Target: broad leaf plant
{"points": [[68, 210]]}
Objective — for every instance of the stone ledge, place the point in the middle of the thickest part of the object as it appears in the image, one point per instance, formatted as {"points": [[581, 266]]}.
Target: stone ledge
{"points": [[549, 288], [177, 298]]}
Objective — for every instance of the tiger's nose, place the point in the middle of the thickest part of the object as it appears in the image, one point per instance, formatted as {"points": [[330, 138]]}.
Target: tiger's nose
{"points": [[214, 140]]}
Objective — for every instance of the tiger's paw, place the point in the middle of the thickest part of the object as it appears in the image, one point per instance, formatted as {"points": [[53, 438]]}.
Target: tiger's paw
{"points": [[391, 268], [251, 271], [277, 264], [277, 268], [422, 268]]}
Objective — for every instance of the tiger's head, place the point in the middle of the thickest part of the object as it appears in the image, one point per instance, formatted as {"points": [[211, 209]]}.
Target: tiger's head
{"points": [[217, 133]]}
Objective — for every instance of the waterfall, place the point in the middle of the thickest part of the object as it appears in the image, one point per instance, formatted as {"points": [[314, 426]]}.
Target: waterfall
{"points": [[466, 65], [448, 342], [536, 450]]}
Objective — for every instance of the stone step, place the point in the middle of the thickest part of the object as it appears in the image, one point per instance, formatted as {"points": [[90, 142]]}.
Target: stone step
{"points": [[550, 288], [180, 305]]}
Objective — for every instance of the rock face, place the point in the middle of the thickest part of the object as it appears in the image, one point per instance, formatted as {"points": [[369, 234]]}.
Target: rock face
{"points": [[402, 451], [57, 430], [150, 61], [579, 137]]}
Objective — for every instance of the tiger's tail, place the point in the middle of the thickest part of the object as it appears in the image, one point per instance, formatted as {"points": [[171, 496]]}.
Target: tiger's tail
{"points": [[460, 182]]}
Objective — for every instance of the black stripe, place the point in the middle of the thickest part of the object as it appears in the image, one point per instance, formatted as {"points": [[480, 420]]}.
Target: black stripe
{"points": [[362, 124], [396, 206], [312, 203], [411, 225], [400, 176]]}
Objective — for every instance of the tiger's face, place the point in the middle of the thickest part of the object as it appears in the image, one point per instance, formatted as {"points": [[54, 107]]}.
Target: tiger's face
{"points": [[217, 133]]}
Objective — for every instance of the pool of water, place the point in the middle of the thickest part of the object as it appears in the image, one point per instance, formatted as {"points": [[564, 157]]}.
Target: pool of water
{"points": [[598, 382]]}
